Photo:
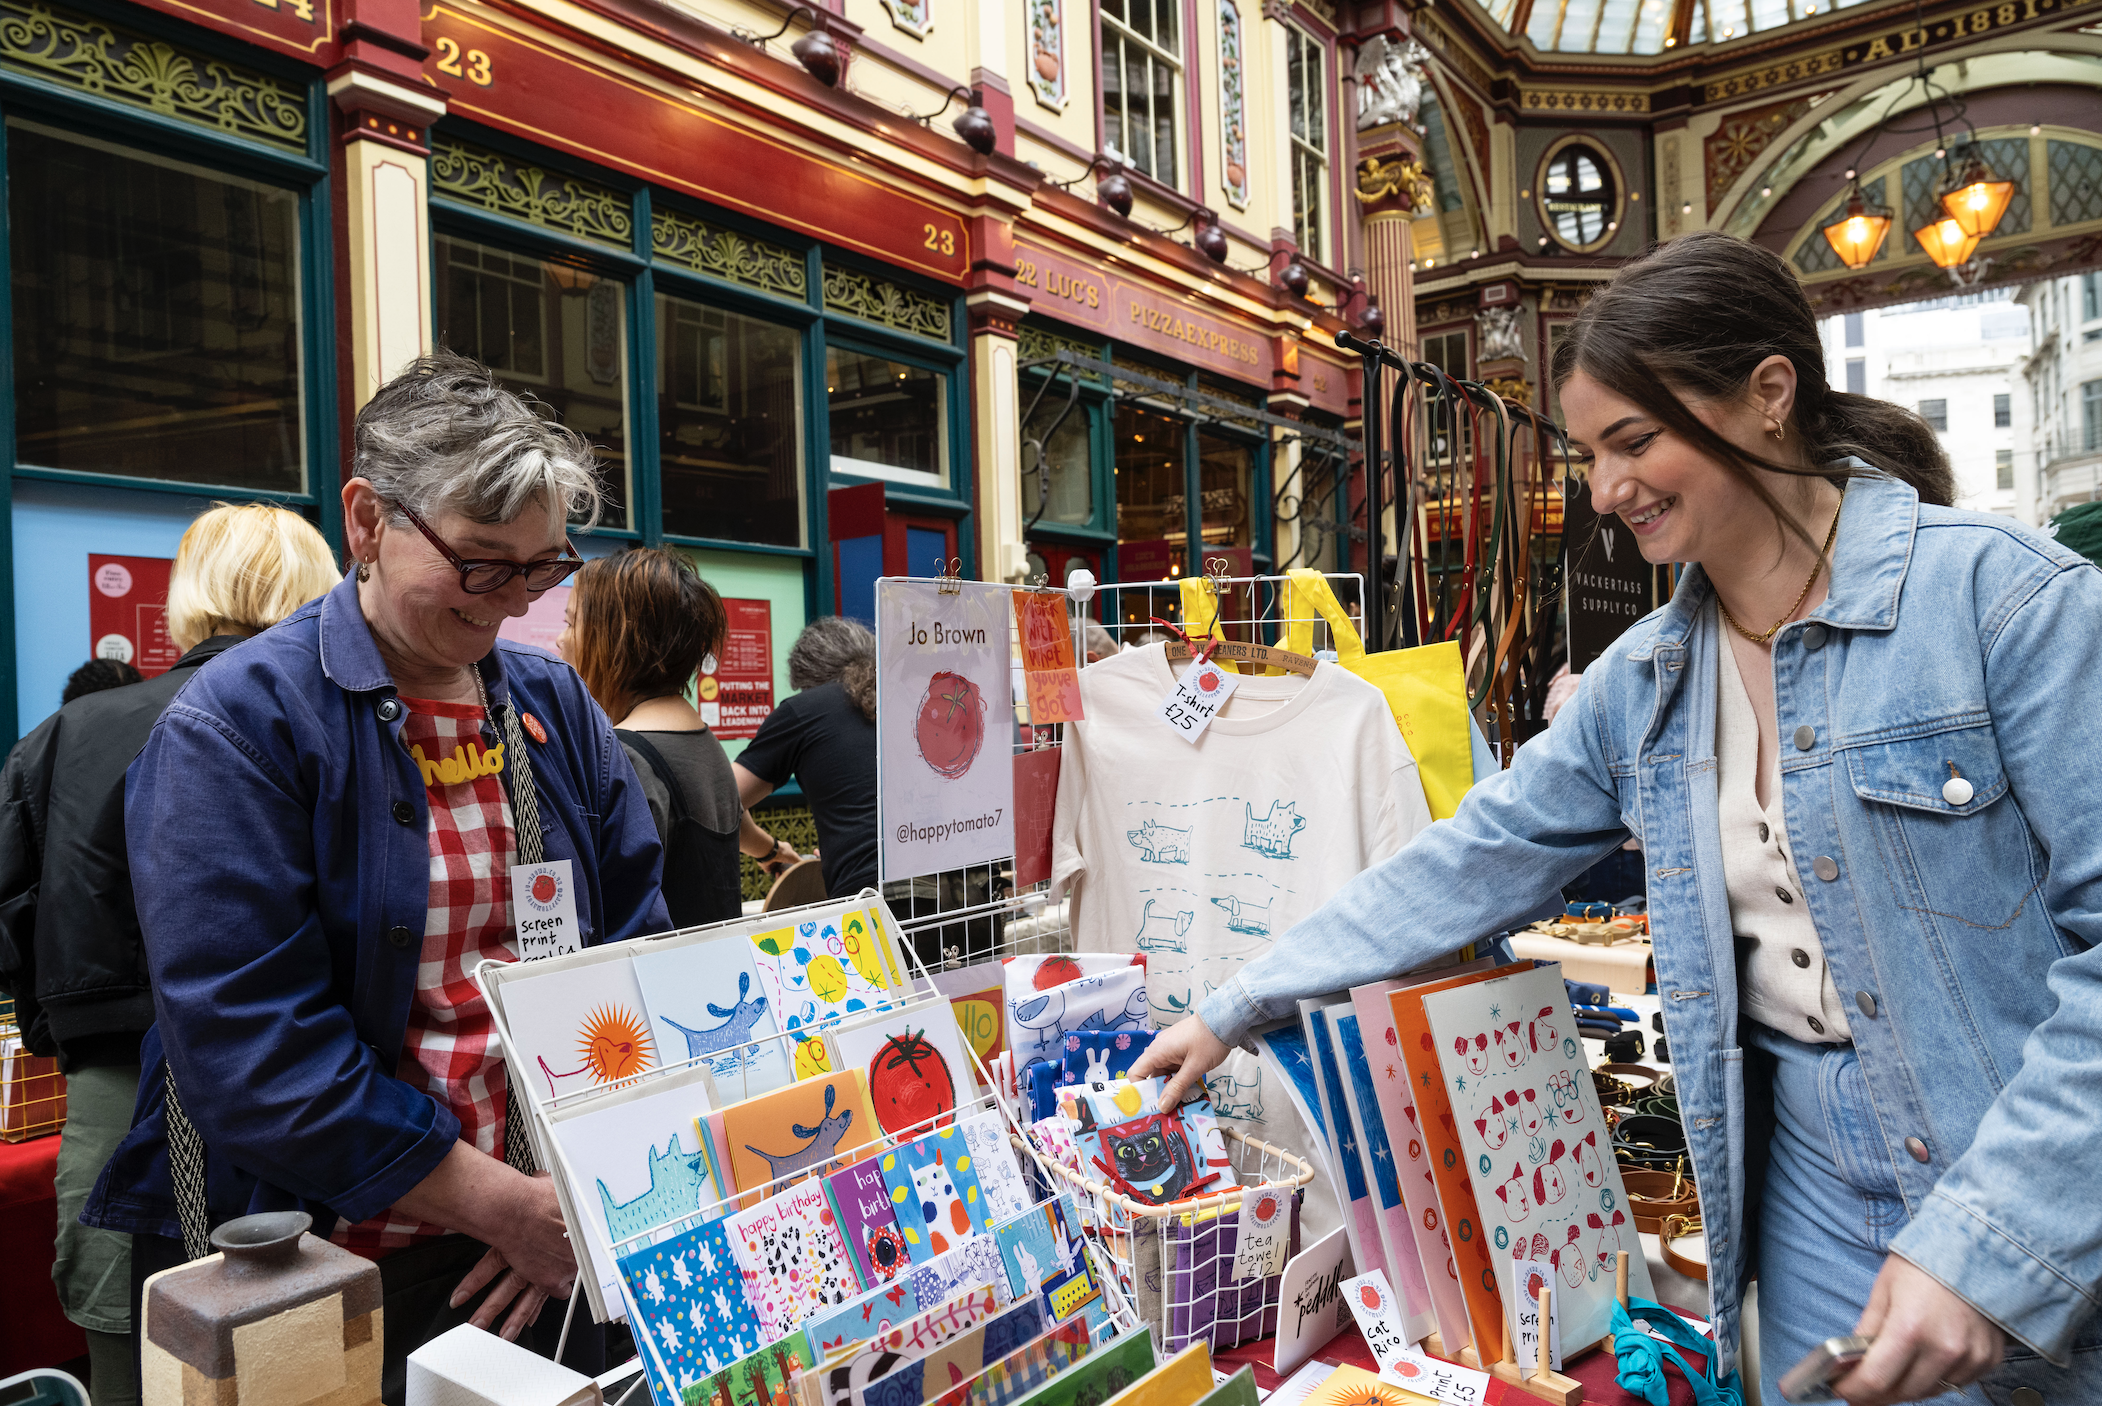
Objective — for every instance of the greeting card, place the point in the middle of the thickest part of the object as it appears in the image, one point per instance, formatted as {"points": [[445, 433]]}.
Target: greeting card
{"points": [[1535, 1142], [973, 1262], [1360, 1219], [907, 1342], [1397, 1112], [1041, 1250], [793, 1258], [978, 996], [867, 1223], [824, 968], [934, 1193], [1473, 1257], [1100, 1375], [1354, 1386], [1404, 1266], [690, 1302], [577, 1025], [706, 1001], [877, 1310], [957, 1360], [999, 1171], [633, 1162], [1022, 1370], [763, 1379], [1180, 1381], [810, 1127], [913, 1063], [1095, 1057]]}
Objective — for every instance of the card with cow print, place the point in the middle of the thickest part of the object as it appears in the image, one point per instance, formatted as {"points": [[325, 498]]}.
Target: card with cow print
{"points": [[1535, 1143], [794, 1260], [934, 1193]]}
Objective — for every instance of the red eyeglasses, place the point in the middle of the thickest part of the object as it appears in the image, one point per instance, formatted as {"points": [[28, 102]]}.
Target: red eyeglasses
{"points": [[480, 577]]}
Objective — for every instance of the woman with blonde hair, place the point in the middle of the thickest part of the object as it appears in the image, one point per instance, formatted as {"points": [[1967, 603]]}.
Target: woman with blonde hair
{"points": [[70, 949]]}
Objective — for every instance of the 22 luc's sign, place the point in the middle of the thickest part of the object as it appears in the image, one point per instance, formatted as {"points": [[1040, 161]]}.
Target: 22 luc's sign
{"points": [[944, 726]]}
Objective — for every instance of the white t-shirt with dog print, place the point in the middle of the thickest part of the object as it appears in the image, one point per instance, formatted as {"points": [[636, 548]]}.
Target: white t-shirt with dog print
{"points": [[1201, 856]]}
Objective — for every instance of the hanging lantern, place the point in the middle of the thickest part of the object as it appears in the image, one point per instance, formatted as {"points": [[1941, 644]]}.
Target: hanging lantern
{"points": [[1858, 234], [1946, 243], [1975, 201]]}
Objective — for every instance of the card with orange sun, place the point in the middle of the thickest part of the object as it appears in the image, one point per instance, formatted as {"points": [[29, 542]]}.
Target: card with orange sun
{"points": [[578, 1026]]}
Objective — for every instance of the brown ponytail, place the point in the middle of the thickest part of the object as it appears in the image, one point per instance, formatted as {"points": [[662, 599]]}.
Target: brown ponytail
{"points": [[1695, 317]]}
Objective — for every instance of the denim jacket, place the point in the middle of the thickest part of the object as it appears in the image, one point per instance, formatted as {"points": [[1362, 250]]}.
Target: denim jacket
{"points": [[280, 853], [1952, 644]]}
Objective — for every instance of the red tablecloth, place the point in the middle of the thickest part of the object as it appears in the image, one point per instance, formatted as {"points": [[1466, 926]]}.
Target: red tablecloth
{"points": [[34, 1332], [1595, 1370]]}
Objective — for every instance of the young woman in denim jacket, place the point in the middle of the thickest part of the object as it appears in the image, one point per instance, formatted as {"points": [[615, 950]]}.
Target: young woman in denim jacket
{"points": [[1929, 721]]}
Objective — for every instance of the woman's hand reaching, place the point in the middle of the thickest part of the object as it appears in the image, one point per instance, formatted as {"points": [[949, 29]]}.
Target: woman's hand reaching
{"points": [[1187, 1051]]}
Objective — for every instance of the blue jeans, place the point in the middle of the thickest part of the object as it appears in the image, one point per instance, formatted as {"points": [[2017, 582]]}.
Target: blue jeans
{"points": [[1831, 1208]]}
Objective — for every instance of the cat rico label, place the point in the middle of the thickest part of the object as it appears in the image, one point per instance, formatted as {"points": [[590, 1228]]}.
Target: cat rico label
{"points": [[544, 910], [1266, 1220], [1378, 1316], [1199, 694]]}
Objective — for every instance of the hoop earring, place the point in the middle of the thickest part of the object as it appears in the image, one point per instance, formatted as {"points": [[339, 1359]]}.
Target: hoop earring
{"points": [[1780, 435]]}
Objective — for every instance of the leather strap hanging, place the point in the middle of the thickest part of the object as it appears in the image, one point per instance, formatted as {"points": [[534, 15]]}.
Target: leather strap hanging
{"points": [[525, 815]]}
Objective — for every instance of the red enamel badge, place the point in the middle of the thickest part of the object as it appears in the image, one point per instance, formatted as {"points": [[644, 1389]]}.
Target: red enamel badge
{"points": [[533, 727]]}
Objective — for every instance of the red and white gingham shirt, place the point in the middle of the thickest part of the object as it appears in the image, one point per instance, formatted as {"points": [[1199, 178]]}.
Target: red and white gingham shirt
{"points": [[449, 1050]]}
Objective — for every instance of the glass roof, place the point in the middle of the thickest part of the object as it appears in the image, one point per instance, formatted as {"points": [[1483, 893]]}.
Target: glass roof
{"points": [[1642, 26]]}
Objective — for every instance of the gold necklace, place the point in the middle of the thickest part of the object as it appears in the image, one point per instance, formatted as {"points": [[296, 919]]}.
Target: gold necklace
{"points": [[1831, 535]]}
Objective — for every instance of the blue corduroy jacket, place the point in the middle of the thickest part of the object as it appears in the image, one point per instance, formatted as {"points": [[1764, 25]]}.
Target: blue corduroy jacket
{"points": [[278, 831]]}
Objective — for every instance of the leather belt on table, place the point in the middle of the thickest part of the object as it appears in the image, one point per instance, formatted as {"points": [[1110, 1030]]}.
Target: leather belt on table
{"points": [[1649, 1140], [1677, 1227], [1653, 1196]]}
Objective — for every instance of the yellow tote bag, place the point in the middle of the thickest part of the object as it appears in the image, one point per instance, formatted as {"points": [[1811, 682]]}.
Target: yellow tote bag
{"points": [[1424, 687]]}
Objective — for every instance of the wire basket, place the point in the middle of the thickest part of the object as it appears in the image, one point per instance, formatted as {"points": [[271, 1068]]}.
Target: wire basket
{"points": [[32, 1091], [1170, 1267]]}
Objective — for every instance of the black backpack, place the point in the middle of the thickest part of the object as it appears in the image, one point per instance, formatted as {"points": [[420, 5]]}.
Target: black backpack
{"points": [[702, 878]]}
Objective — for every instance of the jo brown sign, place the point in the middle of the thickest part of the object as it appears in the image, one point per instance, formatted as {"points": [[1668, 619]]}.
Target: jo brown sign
{"points": [[1140, 315]]}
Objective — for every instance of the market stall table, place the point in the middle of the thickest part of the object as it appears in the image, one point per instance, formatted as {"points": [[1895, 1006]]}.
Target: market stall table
{"points": [[34, 1331]]}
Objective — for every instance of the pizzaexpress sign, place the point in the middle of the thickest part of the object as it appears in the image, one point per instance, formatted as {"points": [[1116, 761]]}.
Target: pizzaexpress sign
{"points": [[1169, 324], [1139, 315]]}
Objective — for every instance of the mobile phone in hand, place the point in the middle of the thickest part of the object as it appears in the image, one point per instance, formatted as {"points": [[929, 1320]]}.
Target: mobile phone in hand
{"points": [[1811, 1379]]}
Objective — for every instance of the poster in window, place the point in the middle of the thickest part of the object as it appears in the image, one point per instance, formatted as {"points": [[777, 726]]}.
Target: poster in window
{"points": [[736, 687], [128, 612], [944, 724]]}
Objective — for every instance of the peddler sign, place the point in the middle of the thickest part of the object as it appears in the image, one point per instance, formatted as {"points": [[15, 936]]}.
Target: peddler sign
{"points": [[1140, 315]]}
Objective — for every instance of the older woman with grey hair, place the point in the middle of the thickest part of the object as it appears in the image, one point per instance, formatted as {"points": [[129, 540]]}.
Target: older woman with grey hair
{"points": [[322, 830]]}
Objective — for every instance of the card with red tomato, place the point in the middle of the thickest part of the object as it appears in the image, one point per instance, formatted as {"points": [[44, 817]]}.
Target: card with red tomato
{"points": [[944, 714], [913, 1063]]}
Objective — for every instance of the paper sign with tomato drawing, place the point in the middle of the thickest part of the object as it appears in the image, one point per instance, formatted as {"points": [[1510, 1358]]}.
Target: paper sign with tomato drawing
{"points": [[944, 726]]}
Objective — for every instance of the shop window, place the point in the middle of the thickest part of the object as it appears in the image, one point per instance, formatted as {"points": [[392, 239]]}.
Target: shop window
{"points": [[889, 418], [1309, 124], [1448, 352], [729, 425], [1151, 488], [1141, 76], [2003, 412], [1854, 329], [1857, 376], [1225, 472], [1935, 413], [2090, 296], [557, 331], [1578, 195], [2003, 470], [1066, 464], [2091, 414], [156, 316]]}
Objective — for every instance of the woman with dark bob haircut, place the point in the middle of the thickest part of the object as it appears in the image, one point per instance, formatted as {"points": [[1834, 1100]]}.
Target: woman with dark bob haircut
{"points": [[1860, 747], [637, 626]]}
